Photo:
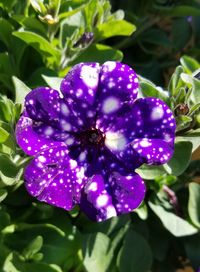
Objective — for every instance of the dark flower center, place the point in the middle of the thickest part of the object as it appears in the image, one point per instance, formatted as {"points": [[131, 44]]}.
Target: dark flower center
{"points": [[92, 137]]}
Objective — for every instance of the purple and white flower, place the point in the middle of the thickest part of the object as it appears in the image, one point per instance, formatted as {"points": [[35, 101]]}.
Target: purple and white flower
{"points": [[88, 140]]}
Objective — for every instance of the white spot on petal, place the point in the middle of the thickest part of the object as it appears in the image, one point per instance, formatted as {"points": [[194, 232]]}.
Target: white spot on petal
{"points": [[110, 104], [115, 141], [157, 113], [90, 76], [92, 187], [73, 164], [41, 159], [144, 143], [69, 141], [64, 109], [101, 201], [110, 65], [48, 131]]}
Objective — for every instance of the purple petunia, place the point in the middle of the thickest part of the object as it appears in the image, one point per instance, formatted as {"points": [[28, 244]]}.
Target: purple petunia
{"points": [[88, 140]]}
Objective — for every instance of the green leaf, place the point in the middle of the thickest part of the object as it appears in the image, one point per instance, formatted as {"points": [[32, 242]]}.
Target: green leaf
{"points": [[175, 81], [173, 223], [155, 36], [69, 13], [3, 135], [181, 158], [96, 254], [150, 172], [193, 137], [195, 83], [53, 82], [148, 89], [5, 33], [21, 90], [3, 194], [58, 244], [113, 28], [14, 263], [9, 173], [39, 6], [38, 43], [189, 64], [142, 211], [7, 4], [4, 219], [194, 109], [182, 122], [194, 203], [69, 26], [33, 248], [99, 53], [135, 258], [31, 24]]}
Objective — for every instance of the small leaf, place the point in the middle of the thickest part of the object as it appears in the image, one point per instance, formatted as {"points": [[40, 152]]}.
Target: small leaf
{"points": [[142, 211], [194, 203], [148, 89], [175, 81], [38, 6], [194, 109], [3, 194], [150, 172], [53, 82], [182, 122], [21, 90], [181, 158], [3, 135], [33, 247], [189, 64]]}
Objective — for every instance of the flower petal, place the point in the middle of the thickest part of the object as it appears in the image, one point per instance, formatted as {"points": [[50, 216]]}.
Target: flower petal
{"points": [[104, 198], [79, 89], [30, 141], [153, 151], [118, 84], [42, 104], [149, 126], [45, 105], [53, 177]]}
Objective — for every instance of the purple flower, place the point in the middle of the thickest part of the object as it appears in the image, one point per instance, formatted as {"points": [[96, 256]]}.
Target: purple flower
{"points": [[88, 140]]}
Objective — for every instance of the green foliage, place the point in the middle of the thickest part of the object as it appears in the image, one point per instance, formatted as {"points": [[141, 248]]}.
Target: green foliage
{"points": [[39, 42], [135, 259]]}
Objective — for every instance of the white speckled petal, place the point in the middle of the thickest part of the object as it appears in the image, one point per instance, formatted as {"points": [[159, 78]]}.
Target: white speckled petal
{"points": [[30, 141], [53, 177], [118, 84], [79, 88], [149, 126], [104, 198]]}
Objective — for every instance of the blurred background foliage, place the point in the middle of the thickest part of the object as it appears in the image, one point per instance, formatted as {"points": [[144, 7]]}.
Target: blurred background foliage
{"points": [[40, 41]]}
